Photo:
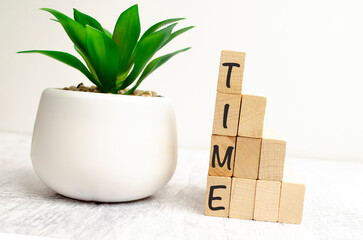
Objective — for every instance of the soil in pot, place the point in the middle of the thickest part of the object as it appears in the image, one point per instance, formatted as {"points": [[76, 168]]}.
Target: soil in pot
{"points": [[82, 88]]}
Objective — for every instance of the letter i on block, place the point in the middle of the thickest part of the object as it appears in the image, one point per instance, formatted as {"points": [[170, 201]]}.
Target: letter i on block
{"points": [[222, 156], [226, 114], [231, 72], [217, 197]]}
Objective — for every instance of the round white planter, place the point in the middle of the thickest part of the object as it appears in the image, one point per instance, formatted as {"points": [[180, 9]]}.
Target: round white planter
{"points": [[104, 147]]}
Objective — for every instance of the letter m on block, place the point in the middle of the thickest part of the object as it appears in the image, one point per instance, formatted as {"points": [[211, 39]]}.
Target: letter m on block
{"points": [[217, 158]]}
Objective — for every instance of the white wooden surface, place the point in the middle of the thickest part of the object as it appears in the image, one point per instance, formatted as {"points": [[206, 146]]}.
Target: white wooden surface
{"points": [[333, 204]]}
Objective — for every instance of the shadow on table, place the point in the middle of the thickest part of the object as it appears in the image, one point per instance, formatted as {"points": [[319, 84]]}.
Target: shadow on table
{"points": [[25, 181], [188, 197]]}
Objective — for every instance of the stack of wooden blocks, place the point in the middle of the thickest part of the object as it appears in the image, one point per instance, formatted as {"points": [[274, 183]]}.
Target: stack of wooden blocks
{"points": [[246, 163]]}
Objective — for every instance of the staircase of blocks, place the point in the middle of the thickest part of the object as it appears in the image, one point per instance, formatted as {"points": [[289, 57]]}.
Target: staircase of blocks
{"points": [[246, 168]]}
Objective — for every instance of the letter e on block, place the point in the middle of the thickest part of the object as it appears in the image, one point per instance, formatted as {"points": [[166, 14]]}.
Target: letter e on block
{"points": [[226, 114], [231, 72], [222, 154], [217, 197]]}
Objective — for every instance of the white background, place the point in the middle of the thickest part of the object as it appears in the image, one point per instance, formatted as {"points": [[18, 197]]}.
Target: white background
{"points": [[306, 57]]}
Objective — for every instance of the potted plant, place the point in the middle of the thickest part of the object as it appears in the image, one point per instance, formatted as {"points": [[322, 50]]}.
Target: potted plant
{"points": [[93, 146]]}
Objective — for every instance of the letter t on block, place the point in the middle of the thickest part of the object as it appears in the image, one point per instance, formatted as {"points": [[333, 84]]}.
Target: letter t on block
{"points": [[218, 194], [231, 72]]}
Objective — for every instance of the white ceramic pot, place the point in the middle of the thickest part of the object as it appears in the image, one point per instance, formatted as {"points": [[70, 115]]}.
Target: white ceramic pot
{"points": [[104, 147]]}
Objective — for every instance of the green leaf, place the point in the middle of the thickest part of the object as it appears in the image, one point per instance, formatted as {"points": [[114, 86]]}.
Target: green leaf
{"points": [[67, 59], [89, 65], [75, 30], [175, 34], [153, 65], [104, 56], [158, 25], [126, 34], [146, 48], [108, 34], [152, 29], [84, 19]]}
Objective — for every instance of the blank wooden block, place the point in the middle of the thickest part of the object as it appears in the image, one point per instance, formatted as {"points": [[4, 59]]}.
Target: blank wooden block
{"points": [[218, 194], [231, 72], [226, 114], [291, 203], [267, 201], [242, 198], [247, 158], [222, 154], [272, 158], [252, 116]]}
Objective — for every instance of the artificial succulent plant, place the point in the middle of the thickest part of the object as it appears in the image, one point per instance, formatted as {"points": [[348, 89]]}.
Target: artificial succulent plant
{"points": [[115, 61]]}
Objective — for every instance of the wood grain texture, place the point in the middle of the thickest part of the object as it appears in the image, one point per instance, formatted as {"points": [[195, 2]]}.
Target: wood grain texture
{"points": [[226, 114], [231, 69], [217, 197], [242, 198], [291, 203], [247, 158], [267, 201], [252, 116], [222, 155], [272, 159]]}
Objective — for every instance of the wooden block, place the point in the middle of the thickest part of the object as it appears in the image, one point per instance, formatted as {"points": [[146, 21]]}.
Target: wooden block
{"points": [[291, 203], [226, 114], [218, 194], [272, 158], [267, 201], [247, 158], [222, 154], [252, 116], [231, 72], [242, 198]]}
